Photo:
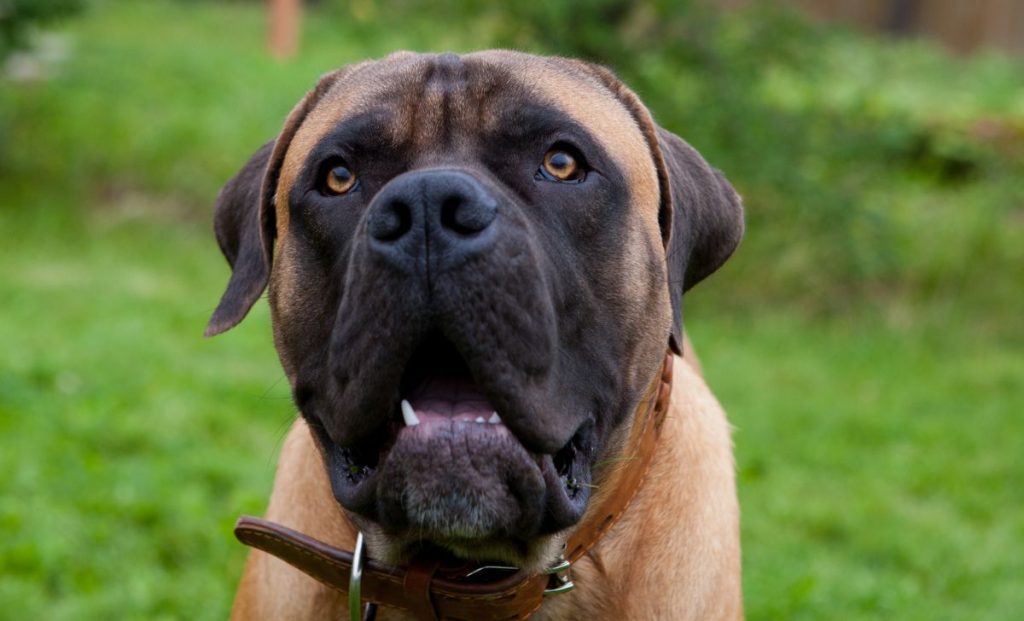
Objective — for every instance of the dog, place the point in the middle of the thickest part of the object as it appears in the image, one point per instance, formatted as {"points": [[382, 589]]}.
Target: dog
{"points": [[475, 267]]}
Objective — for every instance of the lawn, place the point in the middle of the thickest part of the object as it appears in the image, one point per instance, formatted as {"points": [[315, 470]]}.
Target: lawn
{"points": [[878, 433]]}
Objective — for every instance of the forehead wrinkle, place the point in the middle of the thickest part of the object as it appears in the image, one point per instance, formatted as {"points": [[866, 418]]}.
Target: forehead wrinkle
{"points": [[444, 107], [444, 101]]}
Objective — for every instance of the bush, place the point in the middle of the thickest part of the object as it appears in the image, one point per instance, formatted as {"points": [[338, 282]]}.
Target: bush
{"points": [[18, 17]]}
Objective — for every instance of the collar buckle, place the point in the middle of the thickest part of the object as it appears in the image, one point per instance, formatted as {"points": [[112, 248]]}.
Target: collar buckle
{"points": [[558, 577]]}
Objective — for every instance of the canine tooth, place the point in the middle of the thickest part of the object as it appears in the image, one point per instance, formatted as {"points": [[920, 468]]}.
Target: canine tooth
{"points": [[409, 414], [479, 419], [494, 419]]}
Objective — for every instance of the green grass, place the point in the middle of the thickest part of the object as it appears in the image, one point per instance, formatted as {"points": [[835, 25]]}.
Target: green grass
{"points": [[130, 442], [880, 469], [878, 436]]}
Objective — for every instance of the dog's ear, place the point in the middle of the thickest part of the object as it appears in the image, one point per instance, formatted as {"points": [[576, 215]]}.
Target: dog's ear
{"points": [[701, 215], [244, 218], [243, 240]]}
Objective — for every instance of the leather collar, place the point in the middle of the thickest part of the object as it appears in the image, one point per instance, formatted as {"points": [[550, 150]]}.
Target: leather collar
{"points": [[432, 592]]}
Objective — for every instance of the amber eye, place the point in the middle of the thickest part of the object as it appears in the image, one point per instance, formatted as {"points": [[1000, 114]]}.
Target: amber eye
{"points": [[339, 180], [560, 165]]}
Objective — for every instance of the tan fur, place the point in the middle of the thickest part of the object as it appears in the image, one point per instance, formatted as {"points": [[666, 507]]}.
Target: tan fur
{"points": [[673, 555], [270, 588]]}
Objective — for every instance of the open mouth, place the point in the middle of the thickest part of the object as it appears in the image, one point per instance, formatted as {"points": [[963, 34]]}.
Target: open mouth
{"points": [[446, 465], [437, 387]]}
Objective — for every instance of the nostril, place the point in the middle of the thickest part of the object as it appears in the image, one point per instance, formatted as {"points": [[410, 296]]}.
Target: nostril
{"points": [[449, 214], [464, 217], [392, 222]]}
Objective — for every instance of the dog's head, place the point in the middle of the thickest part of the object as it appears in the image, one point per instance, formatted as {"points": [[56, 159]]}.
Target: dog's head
{"points": [[475, 264]]}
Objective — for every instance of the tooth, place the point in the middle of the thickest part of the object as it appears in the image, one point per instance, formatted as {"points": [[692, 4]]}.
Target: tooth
{"points": [[409, 414], [479, 419], [494, 419]]}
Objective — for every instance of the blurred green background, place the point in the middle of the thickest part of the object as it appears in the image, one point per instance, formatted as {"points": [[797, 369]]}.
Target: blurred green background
{"points": [[867, 340]]}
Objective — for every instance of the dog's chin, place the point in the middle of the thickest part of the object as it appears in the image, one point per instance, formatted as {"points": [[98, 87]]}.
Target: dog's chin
{"points": [[466, 488]]}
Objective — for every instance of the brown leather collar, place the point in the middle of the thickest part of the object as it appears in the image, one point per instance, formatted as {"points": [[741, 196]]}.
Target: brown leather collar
{"points": [[428, 591]]}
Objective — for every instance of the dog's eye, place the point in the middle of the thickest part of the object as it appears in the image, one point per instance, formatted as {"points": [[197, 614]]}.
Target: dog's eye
{"points": [[339, 180], [561, 165]]}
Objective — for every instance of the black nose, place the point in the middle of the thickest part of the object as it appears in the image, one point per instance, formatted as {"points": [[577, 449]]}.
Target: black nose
{"points": [[433, 219]]}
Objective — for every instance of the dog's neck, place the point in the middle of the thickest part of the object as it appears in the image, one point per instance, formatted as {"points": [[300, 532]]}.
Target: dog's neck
{"points": [[429, 591]]}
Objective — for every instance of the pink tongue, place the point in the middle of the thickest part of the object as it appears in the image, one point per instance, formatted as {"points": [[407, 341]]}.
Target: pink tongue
{"points": [[450, 398]]}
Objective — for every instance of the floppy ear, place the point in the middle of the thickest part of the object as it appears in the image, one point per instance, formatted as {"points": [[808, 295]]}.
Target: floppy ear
{"points": [[705, 218], [244, 219], [243, 240], [701, 215]]}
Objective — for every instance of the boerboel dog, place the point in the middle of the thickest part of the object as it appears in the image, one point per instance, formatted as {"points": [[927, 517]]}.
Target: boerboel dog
{"points": [[475, 268]]}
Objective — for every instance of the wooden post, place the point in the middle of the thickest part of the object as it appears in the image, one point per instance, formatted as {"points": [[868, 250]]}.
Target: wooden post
{"points": [[283, 27], [902, 16]]}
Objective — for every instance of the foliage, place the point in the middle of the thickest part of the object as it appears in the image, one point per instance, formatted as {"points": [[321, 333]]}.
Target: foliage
{"points": [[18, 17]]}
